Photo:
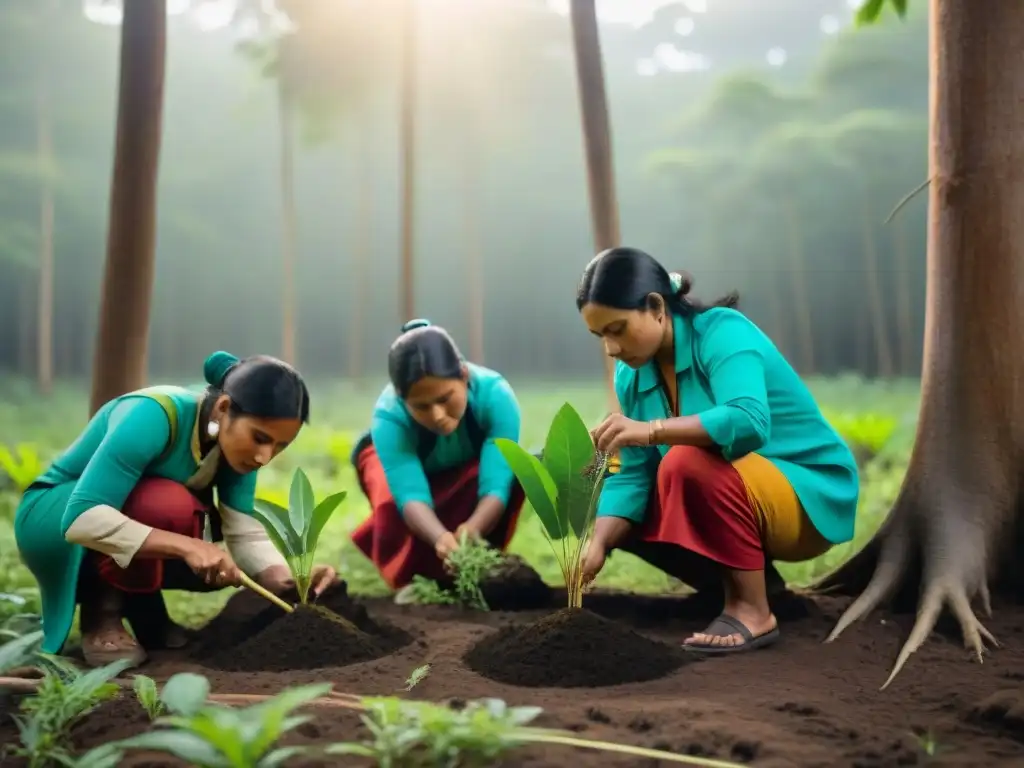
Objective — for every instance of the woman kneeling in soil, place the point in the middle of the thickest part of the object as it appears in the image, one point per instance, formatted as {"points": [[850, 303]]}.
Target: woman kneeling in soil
{"points": [[428, 465], [726, 458], [121, 514]]}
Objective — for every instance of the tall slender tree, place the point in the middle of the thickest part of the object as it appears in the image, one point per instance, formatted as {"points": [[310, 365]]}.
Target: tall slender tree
{"points": [[120, 360]]}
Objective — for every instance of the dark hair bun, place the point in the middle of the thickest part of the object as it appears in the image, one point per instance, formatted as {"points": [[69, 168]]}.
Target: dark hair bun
{"points": [[216, 368], [420, 322]]}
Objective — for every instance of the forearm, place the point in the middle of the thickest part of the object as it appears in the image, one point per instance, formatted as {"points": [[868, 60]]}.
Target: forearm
{"points": [[247, 541], [487, 514], [423, 522], [682, 430], [610, 531], [109, 531]]}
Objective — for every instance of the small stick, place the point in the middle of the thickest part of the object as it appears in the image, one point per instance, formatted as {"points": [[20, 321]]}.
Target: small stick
{"points": [[266, 594]]}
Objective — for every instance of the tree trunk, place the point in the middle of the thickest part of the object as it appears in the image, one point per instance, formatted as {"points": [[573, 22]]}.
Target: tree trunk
{"points": [[955, 529], [363, 255], [44, 321], [801, 297], [289, 225], [876, 306], [904, 297], [120, 359], [597, 140], [407, 276]]}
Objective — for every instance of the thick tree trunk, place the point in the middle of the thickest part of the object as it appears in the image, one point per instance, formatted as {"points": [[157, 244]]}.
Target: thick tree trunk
{"points": [[407, 140], [289, 224], [597, 140], [955, 529], [120, 359]]}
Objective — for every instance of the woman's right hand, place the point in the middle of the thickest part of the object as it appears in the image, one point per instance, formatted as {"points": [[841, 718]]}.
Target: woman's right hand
{"points": [[213, 564], [445, 545]]}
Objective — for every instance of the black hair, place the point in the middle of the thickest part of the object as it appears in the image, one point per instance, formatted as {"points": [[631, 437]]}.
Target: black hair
{"points": [[259, 386], [422, 349], [625, 278]]}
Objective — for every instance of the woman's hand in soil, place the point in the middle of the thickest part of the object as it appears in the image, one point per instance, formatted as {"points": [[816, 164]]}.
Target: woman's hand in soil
{"points": [[469, 531], [276, 578], [617, 432], [445, 545], [212, 564], [322, 578], [593, 562]]}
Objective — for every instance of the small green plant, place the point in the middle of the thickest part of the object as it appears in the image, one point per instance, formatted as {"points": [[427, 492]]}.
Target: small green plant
{"points": [[296, 530], [148, 695], [22, 465], [470, 564], [65, 695], [18, 650], [417, 734], [209, 735], [417, 676], [563, 488]]}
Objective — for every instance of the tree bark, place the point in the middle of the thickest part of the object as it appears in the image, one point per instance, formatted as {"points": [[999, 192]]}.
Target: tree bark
{"points": [[120, 358], [955, 529], [597, 141], [407, 140], [289, 225], [44, 321]]}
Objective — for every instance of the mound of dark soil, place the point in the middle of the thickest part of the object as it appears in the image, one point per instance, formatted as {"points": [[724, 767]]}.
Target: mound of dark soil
{"points": [[515, 586], [252, 635], [572, 648]]}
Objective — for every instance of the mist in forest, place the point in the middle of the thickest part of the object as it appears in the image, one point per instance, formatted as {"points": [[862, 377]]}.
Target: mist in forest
{"points": [[759, 146]]}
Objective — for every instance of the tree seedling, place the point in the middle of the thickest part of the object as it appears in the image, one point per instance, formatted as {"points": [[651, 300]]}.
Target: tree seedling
{"points": [[417, 676], [148, 695], [209, 735], [563, 488], [470, 564], [296, 530]]}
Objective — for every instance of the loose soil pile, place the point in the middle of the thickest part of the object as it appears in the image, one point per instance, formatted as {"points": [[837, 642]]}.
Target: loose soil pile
{"points": [[798, 704], [252, 635], [572, 648]]}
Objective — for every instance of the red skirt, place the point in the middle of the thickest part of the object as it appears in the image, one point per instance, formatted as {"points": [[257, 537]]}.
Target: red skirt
{"points": [[387, 541], [161, 504], [699, 519]]}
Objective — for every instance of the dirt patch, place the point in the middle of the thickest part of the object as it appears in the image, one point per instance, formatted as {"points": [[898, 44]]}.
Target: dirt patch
{"points": [[798, 704], [515, 586], [250, 635], [572, 648]]}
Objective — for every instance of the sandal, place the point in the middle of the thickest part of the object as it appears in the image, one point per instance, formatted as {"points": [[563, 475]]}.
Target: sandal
{"points": [[108, 646], [725, 626]]}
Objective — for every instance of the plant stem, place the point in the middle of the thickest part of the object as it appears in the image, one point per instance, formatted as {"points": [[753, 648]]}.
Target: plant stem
{"points": [[608, 746]]}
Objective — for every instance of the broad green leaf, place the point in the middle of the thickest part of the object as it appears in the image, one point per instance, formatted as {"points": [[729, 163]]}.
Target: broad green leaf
{"points": [[281, 756], [185, 693], [18, 652], [186, 746], [537, 484], [103, 756], [872, 9], [320, 516], [568, 452], [300, 503], [275, 519]]}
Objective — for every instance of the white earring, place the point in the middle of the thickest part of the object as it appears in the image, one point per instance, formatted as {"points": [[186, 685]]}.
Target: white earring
{"points": [[213, 429]]}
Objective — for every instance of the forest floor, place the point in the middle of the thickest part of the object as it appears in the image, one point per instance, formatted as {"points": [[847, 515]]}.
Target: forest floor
{"points": [[798, 704]]}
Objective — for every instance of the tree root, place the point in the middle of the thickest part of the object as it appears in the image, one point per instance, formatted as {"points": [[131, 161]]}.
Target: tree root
{"points": [[945, 583]]}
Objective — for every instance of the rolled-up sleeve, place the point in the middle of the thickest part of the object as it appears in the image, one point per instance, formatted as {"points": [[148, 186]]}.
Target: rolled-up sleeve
{"points": [[503, 420], [739, 422], [402, 466]]}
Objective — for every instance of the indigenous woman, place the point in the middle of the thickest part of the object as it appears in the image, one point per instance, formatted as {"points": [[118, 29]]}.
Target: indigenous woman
{"points": [[122, 513], [429, 465], [726, 459]]}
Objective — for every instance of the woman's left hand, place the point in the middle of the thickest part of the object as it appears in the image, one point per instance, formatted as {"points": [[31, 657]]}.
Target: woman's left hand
{"points": [[617, 432]]}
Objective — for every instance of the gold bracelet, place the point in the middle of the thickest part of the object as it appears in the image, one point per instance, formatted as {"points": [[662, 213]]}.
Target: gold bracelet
{"points": [[653, 430]]}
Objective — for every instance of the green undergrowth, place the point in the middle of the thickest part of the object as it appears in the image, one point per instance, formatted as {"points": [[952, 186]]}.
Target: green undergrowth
{"points": [[877, 416]]}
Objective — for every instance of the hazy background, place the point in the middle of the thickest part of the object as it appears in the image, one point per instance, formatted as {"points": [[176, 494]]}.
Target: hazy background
{"points": [[758, 145]]}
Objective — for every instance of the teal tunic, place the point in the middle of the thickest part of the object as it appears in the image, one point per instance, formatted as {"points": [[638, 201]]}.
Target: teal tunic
{"points": [[750, 400], [394, 433], [129, 438]]}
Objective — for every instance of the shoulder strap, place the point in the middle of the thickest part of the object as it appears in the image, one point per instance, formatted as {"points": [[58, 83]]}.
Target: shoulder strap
{"points": [[170, 408]]}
